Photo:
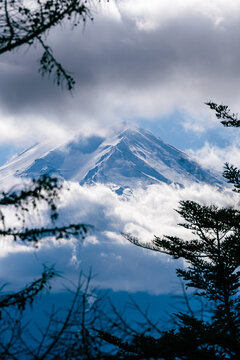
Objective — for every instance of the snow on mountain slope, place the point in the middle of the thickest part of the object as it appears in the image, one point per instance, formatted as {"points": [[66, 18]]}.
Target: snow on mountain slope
{"points": [[130, 158]]}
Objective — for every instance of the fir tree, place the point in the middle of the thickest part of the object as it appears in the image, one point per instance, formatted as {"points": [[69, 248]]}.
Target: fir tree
{"points": [[213, 271]]}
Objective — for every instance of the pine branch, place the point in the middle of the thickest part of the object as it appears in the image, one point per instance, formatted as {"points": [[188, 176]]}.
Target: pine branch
{"points": [[23, 23], [34, 235], [232, 174], [223, 112], [26, 296], [49, 64]]}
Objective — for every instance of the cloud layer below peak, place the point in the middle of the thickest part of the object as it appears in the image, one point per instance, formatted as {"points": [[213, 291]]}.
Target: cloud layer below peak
{"points": [[119, 264]]}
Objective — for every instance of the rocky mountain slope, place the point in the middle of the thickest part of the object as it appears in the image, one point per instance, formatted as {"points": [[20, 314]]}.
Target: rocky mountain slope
{"points": [[130, 158]]}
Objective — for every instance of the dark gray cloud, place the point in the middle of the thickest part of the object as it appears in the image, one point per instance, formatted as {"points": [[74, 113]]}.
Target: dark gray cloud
{"points": [[125, 71]]}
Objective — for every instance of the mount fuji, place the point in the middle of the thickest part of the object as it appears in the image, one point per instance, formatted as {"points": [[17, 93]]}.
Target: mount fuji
{"points": [[130, 158]]}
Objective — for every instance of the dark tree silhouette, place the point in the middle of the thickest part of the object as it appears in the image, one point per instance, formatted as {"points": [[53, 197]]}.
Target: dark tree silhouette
{"points": [[29, 22], [212, 271], [26, 201], [13, 344], [223, 112], [67, 333]]}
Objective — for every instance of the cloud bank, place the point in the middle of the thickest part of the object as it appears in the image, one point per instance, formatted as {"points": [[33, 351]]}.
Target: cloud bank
{"points": [[134, 61], [119, 265], [214, 157]]}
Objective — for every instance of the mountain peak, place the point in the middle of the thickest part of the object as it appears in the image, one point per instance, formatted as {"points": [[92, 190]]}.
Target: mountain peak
{"points": [[131, 157]]}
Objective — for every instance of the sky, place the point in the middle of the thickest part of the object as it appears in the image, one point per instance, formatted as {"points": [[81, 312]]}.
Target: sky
{"points": [[147, 63], [152, 64]]}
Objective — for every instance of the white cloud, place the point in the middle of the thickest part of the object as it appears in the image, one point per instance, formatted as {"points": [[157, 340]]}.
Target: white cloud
{"points": [[119, 264], [24, 130], [214, 157], [154, 13]]}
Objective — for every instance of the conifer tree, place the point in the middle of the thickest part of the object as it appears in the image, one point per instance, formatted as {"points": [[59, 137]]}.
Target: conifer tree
{"points": [[212, 271]]}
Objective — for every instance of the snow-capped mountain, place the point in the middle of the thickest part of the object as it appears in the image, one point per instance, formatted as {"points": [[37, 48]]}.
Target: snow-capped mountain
{"points": [[129, 158]]}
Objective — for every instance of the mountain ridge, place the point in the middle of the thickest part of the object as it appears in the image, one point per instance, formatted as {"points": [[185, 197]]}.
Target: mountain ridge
{"points": [[129, 158]]}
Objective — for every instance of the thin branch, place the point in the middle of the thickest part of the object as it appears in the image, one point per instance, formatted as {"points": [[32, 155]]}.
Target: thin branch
{"points": [[49, 63], [58, 17]]}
